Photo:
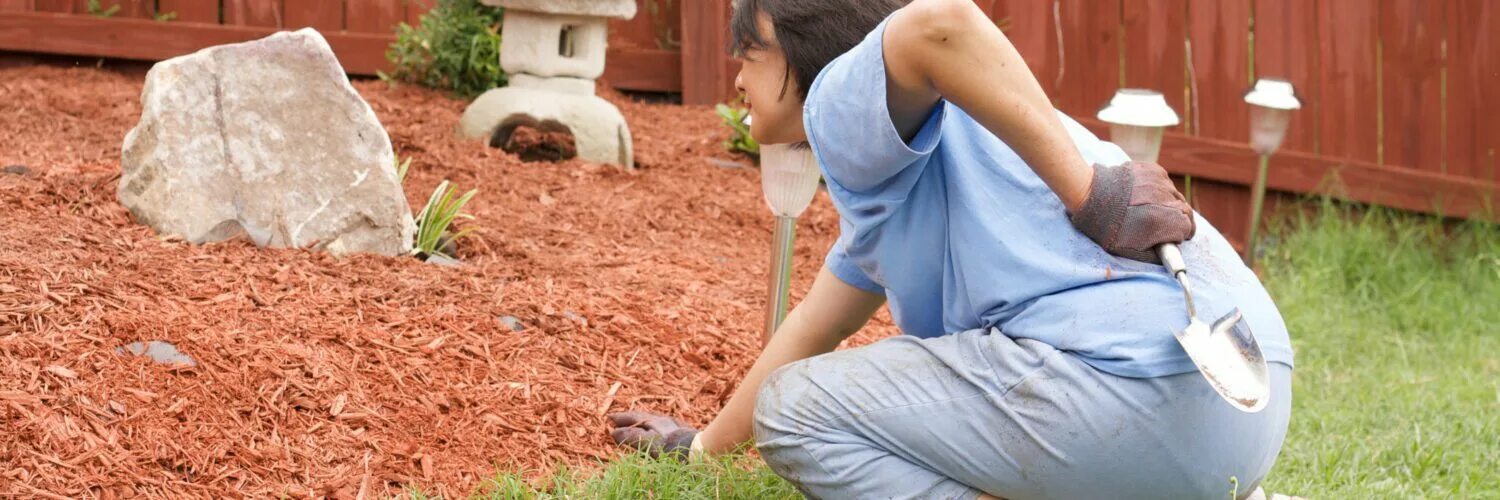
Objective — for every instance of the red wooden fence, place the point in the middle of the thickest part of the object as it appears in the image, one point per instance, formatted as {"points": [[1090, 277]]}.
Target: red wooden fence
{"points": [[1397, 102]]}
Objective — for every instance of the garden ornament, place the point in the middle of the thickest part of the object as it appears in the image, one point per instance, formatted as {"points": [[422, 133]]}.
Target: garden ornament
{"points": [[789, 175], [553, 52], [1271, 104], [1225, 352]]}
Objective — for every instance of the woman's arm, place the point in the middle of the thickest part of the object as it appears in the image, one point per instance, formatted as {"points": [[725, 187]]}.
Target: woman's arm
{"points": [[949, 48], [831, 312]]}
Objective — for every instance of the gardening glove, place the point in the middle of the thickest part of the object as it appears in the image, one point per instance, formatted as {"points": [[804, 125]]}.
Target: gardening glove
{"points": [[655, 434], [1132, 209]]}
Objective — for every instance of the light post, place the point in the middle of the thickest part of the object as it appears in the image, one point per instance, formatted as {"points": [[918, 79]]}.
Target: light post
{"points": [[1271, 104], [789, 176]]}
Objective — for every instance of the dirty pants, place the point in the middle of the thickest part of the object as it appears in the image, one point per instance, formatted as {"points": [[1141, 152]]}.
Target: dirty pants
{"points": [[953, 416]]}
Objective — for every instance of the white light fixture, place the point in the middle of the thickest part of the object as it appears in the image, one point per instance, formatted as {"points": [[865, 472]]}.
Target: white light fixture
{"points": [[1137, 118], [1271, 101], [789, 176]]}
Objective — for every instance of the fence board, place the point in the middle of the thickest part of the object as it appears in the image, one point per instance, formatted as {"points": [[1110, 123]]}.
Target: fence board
{"points": [[1090, 55], [1220, 47], [1286, 33], [325, 15], [1033, 30], [268, 13], [1347, 80], [55, 6], [1411, 37], [1219, 55], [153, 41], [191, 11], [415, 9], [1154, 55], [16, 5], [1473, 125], [373, 16], [704, 76]]}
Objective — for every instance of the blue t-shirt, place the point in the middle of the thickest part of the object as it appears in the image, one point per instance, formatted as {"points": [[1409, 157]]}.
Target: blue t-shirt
{"points": [[959, 233]]}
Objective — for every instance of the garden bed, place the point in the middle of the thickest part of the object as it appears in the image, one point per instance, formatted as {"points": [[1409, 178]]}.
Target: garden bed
{"points": [[319, 375]]}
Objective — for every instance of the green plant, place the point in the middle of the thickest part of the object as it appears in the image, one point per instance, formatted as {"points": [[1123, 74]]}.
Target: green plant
{"points": [[95, 8], [435, 218], [456, 47], [401, 167], [162, 17], [739, 139]]}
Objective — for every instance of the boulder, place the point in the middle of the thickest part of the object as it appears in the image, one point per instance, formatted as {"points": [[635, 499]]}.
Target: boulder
{"points": [[266, 139]]}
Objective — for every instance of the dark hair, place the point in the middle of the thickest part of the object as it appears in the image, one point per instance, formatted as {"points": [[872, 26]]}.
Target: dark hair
{"points": [[811, 32]]}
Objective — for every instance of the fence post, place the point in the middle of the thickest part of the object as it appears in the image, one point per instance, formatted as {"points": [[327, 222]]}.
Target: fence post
{"points": [[705, 30]]}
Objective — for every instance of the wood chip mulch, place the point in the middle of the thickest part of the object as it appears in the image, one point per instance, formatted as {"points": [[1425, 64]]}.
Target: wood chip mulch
{"points": [[357, 376]]}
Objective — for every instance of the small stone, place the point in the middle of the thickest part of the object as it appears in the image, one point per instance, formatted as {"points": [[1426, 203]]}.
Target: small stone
{"points": [[16, 170], [513, 322], [160, 352], [725, 163], [443, 260]]}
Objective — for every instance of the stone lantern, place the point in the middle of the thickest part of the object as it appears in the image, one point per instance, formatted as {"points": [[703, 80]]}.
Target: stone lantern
{"points": [[552, 52]]}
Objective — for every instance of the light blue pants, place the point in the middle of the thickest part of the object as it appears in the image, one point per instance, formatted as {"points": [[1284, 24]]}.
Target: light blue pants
{"points": [[952, 416]]}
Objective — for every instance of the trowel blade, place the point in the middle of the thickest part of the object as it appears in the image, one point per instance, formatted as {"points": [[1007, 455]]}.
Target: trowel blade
{"points": [[1230, 359]]}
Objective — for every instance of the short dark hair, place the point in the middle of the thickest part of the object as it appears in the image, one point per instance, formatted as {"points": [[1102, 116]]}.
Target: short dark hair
{"points": [[811, 32]]}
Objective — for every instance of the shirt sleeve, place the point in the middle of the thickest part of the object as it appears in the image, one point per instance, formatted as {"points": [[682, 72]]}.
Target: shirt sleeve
{"points": [[849, 124], [839, 264]]}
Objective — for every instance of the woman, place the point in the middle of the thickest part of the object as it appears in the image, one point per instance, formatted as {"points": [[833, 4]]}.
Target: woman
{"points": [[1038, 359]]}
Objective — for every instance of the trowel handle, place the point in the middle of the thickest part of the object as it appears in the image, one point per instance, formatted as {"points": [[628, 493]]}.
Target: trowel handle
{"points": [[1171, 257]]}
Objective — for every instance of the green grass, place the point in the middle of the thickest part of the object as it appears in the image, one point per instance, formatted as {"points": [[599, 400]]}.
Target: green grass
{"points": [[1397, 387], [638, 476]]}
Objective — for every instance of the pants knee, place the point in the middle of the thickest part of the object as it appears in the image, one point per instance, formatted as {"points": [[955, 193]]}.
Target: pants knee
{"points": [[775, 402]]}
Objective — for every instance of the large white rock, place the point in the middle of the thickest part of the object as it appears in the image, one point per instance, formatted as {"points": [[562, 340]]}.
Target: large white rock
{"points": [[267, 139]]}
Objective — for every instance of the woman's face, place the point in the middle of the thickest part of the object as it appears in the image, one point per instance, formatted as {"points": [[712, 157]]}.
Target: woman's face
{"points": [[776, 115]]}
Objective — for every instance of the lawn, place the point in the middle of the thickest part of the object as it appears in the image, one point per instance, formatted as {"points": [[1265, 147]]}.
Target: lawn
{"points": [[1397, 388]]}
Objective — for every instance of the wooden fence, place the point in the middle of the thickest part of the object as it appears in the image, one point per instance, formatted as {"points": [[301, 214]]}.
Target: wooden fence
{"points": [[1398, 109]]}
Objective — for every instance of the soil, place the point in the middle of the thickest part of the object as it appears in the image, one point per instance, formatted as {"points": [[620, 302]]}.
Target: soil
{"points": [[356, 376], [531, 144]]}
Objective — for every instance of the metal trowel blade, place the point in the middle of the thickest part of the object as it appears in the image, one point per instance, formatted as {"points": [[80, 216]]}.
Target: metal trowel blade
{"points": [[1230, 359]]}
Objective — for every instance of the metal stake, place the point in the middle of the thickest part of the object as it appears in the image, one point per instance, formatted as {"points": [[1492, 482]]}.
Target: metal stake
{"points": [[781, 274], [1257, 199]]}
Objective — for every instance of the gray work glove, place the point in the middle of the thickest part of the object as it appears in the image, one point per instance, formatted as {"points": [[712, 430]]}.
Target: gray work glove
{"points": [[1132, 209], [655, 434]]}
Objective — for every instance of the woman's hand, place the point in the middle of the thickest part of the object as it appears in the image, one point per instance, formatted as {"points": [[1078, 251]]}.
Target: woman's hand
{"points": [[1132, 209], [655, 434]]}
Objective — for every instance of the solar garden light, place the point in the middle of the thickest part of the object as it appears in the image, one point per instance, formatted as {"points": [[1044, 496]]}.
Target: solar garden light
{"points": [[1225, 353], [1271, 104], [789, 175], [1137, 118]]}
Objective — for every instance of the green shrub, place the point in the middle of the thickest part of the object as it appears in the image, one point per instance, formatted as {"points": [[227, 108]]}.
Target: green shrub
{"points": [[739, 139], [455, 47]]}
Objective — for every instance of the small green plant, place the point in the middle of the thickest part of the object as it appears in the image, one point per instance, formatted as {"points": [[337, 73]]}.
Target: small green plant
{"points": [[401, 167], [456, 47], [739, 139], [96, 8], [435, 218], [162, 17]]}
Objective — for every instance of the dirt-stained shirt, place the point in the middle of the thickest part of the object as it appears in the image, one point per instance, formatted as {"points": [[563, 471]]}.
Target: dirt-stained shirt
{"points": [[959, 233]]}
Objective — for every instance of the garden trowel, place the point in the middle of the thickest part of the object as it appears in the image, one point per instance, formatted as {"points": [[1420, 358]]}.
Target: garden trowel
{"points": [[1226, 352]]}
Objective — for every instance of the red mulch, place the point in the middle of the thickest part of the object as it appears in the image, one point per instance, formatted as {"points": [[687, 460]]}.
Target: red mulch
{"points": [[355, 376]]}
